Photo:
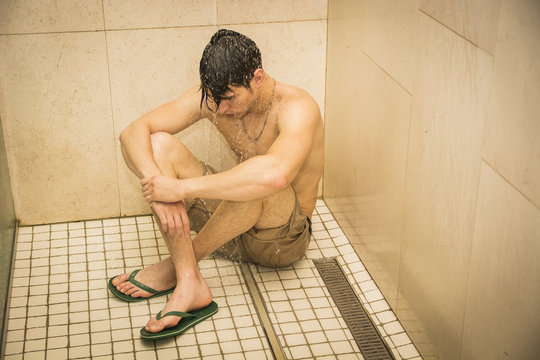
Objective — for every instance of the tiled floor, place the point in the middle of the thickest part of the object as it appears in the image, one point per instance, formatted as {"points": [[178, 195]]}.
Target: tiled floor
{"points": [[61, 309]]}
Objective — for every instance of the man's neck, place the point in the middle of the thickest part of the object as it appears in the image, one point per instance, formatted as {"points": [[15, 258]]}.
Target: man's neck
{"points": [[266, 96]]}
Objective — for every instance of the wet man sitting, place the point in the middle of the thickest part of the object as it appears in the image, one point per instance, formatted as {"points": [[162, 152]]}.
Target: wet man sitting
{"points": [[257, 211]]}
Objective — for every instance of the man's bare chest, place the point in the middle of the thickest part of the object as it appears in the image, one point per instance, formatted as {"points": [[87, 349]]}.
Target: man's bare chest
{"points": [[241, 143]]}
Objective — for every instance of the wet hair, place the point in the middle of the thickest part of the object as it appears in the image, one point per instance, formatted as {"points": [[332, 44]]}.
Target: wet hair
{"points": [[230, 58]]}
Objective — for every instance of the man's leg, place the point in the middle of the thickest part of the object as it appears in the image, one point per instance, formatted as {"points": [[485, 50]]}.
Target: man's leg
{"points": [[192, 291], [174, 159], [233, 218], [229, 220]]}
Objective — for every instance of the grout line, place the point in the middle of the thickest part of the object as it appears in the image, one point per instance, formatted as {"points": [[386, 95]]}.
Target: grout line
{"points": [[323, 178], [295, 333], [47, 326], [7, 302], [171, 27], [508, 182], [91, 344], [215, 12], [403, 206], [447, 27], [409, 92], [116, 155], [86, 220]]}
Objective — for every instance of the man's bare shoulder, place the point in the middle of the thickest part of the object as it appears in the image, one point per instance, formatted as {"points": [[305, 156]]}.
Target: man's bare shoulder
{"points": [[293, 93], [298, 103]]}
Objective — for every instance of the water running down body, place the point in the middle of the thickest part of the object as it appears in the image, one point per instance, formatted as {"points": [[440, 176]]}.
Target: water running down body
{"points": [[258, 210]]}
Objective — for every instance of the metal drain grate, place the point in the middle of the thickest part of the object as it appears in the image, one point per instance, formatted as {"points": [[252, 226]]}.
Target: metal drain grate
{"points": [[362, 329]]}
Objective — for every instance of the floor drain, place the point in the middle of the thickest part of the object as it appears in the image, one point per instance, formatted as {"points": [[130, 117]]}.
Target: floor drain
{"points": [[362, 329]]}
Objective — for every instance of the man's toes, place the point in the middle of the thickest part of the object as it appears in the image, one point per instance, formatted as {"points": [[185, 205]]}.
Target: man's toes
{"points": [[132, 291], [125, 287], [120, 279], [154, 326]]}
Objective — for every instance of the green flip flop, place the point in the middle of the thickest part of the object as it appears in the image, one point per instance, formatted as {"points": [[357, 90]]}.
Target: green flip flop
{"points": [[188, 321], [141, 286]]}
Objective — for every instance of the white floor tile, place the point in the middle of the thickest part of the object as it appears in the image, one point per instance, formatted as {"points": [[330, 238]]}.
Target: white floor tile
{"points": [[60, 307]]}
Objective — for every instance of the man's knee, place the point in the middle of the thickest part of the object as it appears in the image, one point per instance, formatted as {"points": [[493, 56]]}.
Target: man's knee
{"points": [[161, 143], [173, 157]]}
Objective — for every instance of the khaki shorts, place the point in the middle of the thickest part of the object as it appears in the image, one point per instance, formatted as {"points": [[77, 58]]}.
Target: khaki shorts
{"points": [[274, 247]]}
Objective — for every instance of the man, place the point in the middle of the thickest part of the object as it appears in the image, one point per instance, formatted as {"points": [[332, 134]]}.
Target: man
{"points": [[258, 211]]}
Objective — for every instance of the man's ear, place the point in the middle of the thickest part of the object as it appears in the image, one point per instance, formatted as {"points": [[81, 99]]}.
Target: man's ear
{"points": [[258, 77]]}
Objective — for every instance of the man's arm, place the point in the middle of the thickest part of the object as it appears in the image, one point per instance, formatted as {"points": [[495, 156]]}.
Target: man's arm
{"points": [[172, 117], [258, 176]]}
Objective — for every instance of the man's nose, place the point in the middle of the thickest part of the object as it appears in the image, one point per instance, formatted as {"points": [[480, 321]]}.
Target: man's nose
{"points": [[223, 107]]}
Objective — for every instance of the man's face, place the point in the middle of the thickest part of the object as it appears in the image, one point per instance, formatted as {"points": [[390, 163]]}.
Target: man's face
{"points": [[237, 102]]}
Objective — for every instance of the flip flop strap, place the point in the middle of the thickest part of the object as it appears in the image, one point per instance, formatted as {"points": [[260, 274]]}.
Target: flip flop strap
{"points": [[175, 313], [141, 285]]}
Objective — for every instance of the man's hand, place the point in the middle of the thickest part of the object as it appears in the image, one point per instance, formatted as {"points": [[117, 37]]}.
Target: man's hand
{"points": [[172, 217], [161, 188]]}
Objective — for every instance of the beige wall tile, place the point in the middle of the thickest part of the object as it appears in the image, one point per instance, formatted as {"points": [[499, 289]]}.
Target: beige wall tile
{"points": [[170, 59], [390, 27], [342, 120], [476, 20], [413, 322], [451, 87], [367, 117], [7, 210], [150, 68], [134, 14], [50, 16], [504, 285], [7, 229], [371, 117], [353, 11], [345, 45], [147, 69], [513, 125], [345, 35], [54, 98], [257, 11]]}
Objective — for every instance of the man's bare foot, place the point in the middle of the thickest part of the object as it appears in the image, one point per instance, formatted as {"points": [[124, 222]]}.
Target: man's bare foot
{"points": [[160, 277], [191, 293]]}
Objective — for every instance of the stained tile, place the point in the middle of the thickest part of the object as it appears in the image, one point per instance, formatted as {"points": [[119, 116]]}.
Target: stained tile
{"points": [[512, 125], [452, 81], [390, 30], [259, 11], [60, 72], [49, 16], [476, 20], [505, 242], [140, 14]]}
